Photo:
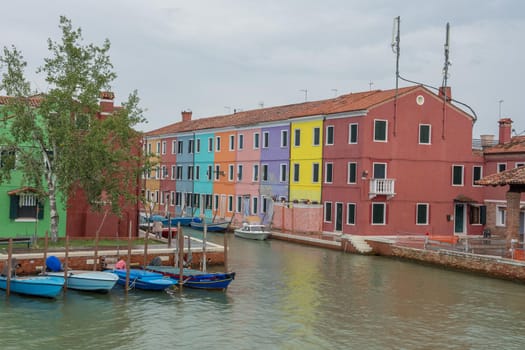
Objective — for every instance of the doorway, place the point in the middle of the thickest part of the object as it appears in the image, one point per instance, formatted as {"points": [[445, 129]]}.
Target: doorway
{"points": [[459, 218]]}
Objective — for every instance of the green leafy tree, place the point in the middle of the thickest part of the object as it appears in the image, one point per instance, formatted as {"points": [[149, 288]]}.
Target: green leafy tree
{"points": [[60, 142]]}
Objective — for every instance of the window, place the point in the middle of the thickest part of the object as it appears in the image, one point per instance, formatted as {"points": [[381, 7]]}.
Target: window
{"points": [[239, 204], [352, 172], [457, 175], [172, 198], [519, 164], [218, 143], [231, 172], [7, 159], [297, 137], [187, 199], [315, 172], [210, 144], [266, 139], [378, 213], [208, 201], [264, 208], [163, 147], [379, 171], [179, 172], [256, 140], [352, 133], [180, 147], [239, 172], [330, 135], [232, 142], [350, 214], [196, 200], [25, 205], [478, 214], [217, 171], [283, 173], [296, 169], [157, 172], [502, 167], [149, 148], [164, 171], [284, 138], [198, 146], [256, 172], [209, 172], [190, 172], [328, 178], [230, 203], [158, 147], [328, 211], [422, 214], [477, 174], [173, 147], [317, 136], [380, 128], [501, 216], [264, 175], [255, 205], [240, 142], [173, 172], [197, 172], [424, 134], [190, 146], [178, 198]]}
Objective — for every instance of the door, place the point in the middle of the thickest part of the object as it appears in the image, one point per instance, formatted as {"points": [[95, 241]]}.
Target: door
{"points": [[338, 217], [379, 171], [459, 218]]}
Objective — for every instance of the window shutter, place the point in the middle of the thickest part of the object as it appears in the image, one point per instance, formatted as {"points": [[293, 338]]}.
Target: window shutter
{"points": [[13, 207], [483, 214], [40, 210]]}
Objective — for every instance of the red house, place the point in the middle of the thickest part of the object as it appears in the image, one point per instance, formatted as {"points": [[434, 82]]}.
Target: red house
{"points": [[401, 163]]}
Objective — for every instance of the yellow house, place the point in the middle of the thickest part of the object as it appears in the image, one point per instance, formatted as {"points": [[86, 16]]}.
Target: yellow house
{"points": [[152, 147], [306, 152]]}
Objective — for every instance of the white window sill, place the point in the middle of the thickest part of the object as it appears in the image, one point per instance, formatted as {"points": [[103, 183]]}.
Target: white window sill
{"points": [[26, 220]]}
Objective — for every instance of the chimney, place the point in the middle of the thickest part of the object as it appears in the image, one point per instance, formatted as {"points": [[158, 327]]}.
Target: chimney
{"points": [[505, 128], [445, 90], [186, 116], [106, 102], [487, 141]]}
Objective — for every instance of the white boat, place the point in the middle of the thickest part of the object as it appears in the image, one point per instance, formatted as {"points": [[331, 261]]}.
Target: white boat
{"points": [[85, 280], [252, 231]]}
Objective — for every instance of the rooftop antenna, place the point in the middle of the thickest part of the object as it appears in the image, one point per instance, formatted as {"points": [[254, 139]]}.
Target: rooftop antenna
{"points": [[396, 40], [305, 94], [229, 109], [500, 102], [370, 85], [261, 104], [335, 92], [447, 62]]}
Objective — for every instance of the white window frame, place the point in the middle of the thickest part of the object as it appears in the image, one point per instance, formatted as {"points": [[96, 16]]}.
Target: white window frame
{"points": [[348, 213], [283, 172], [325, 212], [231, 145], [231, 172], [429, 134], [255, 173], [326, 180], [350, 133], [314, 130], [386, 130], [265, 139], [454, 166], [328, 143], [256, 140], [427, 206], [373, 205], [284, 138], [501, 216], [480, 174]]}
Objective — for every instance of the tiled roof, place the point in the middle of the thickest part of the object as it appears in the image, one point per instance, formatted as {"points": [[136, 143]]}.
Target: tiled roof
{"points": [[516, 145], [514, 176], [33, 101], [344, 103]]}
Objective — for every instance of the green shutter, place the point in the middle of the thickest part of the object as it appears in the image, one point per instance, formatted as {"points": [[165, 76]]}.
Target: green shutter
{"points": [[13, 207], [483, 214], [40, 210]]}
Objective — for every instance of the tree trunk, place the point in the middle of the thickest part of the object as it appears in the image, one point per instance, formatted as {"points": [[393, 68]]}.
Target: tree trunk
{"points": [[53, 212]]}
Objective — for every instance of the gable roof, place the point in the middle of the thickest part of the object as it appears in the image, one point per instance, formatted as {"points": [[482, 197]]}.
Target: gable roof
{"points": [[514, 176], [344, 103]]}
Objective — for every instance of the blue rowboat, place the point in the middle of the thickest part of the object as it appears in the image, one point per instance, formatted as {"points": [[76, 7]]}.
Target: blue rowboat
{"points": [[145, 280], [195, 278], [90, 281], [198, 224], [39, 286], [173, 222]]}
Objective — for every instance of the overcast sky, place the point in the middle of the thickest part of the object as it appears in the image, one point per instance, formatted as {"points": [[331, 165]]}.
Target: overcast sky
{"points": [[215, 56]]}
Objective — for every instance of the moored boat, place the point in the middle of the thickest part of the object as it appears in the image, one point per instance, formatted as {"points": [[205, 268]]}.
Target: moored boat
{"points": [[92, 281], [195, 278], [145, 280], [198, 224], [252, 231], [39, 286]]}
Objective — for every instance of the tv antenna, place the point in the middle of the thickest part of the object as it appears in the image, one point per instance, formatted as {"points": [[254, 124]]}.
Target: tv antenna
{"points": [[305, 94], [447, 62]]}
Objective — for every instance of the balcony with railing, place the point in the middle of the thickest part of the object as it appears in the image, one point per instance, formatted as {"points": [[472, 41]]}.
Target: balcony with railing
{"points": [[380, 187]]}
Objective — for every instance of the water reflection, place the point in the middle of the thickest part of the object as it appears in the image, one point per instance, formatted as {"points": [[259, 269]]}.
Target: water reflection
{"points": [[284, 296]]}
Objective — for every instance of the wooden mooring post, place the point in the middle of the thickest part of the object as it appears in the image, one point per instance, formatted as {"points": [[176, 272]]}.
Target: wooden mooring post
{"points": [[9, 267], [128, 259], [180, 235]]}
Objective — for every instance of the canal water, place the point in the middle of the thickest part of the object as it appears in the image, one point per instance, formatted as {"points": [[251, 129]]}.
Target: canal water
{"points": [[285, 296]]}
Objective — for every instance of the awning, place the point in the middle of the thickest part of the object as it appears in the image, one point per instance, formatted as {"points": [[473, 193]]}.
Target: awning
{"points": [[22, 190], [461, 198]]}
